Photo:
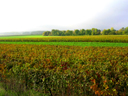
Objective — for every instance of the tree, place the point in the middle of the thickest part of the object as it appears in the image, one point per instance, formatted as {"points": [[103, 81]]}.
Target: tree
{"points": [[50, 34], [62, 33], [76, 32], [56, 32], [125, 32], [88, 32], [95, 31], [98, 32], [46, 33], [82, 32], [112, 31], [119, 32], [69, 32], [104, 32]]}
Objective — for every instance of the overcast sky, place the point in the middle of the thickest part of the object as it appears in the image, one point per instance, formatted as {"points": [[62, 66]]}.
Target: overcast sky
{"points": [[31, 15]]}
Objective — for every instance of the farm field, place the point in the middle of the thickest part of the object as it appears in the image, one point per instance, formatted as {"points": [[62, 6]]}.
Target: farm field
{"points": [[38, 36], [65, 69], [80, 66], [82, 44], [104, 38], [25, 36]]}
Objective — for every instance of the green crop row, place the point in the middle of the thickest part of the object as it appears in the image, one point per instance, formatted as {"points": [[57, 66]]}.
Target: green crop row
{"points": [[71, 39], [65, 70], [83, 44]]}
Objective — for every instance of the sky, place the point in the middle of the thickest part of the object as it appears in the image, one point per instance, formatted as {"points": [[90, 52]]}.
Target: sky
{"points": [[33, 15]]}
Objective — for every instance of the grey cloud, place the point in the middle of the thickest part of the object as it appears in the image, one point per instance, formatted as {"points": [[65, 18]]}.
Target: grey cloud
{"points": [[115, 16]]}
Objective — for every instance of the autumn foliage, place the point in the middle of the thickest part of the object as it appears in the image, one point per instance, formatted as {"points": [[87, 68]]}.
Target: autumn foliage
{"points": [[66, 70]]}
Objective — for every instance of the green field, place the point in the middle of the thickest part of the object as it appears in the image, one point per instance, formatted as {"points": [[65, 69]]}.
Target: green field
{"points": [[41, 36], [100, 40], [26, 36], [83, 44]]}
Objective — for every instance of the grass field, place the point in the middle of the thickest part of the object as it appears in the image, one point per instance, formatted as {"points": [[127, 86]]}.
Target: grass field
{"points": [[27, 36], [82, 44]]}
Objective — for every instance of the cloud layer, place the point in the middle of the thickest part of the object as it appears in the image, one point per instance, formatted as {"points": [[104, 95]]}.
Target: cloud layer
{"points": [[30, 15]]}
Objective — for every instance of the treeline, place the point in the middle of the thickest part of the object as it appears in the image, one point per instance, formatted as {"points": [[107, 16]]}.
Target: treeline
{"points": [[93, 31]]}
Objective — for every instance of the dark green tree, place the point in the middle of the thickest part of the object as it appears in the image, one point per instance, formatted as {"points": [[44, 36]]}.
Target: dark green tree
{"points": [[76, 32], [63, 33], [82, 32], [46, 33], [88, 32], [56, 32], [69, 33], [125, 32], [105, 32], [97, 32], [112, 31]]}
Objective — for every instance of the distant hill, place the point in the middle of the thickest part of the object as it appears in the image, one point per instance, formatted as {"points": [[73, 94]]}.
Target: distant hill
{"points": [[22, 33], [37, 32]]}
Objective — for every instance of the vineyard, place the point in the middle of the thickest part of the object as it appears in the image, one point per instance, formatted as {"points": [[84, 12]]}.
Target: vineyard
{"points": [[56, 70], [63, 48]]}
